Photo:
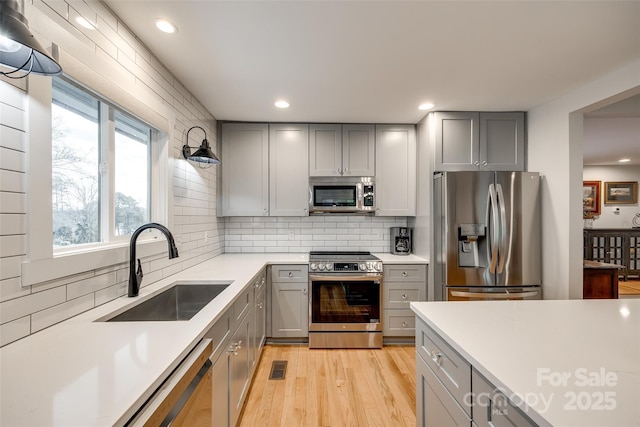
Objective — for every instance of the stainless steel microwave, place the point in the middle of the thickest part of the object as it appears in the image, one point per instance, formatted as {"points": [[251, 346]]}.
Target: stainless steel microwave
{"points": [[342, 195]]}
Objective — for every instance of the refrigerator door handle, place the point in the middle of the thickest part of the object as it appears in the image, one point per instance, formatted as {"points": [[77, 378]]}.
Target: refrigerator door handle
{"points": [[502, 251], [492, 211], [494, 295]]}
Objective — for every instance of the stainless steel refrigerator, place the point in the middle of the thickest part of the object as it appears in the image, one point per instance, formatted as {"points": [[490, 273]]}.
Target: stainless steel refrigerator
{"points": [[487, 236]]}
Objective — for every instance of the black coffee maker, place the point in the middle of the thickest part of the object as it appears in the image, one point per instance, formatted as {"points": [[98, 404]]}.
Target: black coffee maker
{"points": [[400, 240]]}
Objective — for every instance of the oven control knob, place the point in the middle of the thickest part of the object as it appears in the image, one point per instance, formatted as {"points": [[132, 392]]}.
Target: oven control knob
{"points": [[313, 266], [329, 266], [378, 266], [321, 267], [363, 267]]}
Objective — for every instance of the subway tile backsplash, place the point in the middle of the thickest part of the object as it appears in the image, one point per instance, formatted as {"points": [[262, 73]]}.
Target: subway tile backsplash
{"points": [[303, 234]]}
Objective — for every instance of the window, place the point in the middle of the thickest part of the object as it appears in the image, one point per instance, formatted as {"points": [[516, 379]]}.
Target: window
{"points": [[101, 168]]}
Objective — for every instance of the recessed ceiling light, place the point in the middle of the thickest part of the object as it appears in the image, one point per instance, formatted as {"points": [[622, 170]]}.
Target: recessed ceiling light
{"points": [[166, 26], [624, 160], [282, 104], [85, 23], [425, 106]]}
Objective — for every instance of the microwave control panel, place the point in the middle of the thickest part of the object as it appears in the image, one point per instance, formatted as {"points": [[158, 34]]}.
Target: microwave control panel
{"points": [[368, 195]]}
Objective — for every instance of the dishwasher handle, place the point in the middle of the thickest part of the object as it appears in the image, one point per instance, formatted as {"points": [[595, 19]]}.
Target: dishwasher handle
{"points": [[176, 391]]}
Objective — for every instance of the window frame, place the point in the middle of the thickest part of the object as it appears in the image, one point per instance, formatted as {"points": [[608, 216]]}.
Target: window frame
{"points": [[106, 171], [43, 264]]}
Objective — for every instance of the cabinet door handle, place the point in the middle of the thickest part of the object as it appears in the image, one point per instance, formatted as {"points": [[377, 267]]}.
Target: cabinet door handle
{"points": [[260, 305], [346, 171], [304, 292], [484, 163], [339, 171], [257, 284], [233, 349], [476, 163], [436, 357]]}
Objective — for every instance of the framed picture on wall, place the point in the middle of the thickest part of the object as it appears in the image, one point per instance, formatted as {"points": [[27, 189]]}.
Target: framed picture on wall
{"points": [[621, 193], [591, 197]]}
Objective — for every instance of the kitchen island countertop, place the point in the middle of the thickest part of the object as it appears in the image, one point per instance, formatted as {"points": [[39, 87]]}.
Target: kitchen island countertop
{"points": [[564, 363], [85, 372]]}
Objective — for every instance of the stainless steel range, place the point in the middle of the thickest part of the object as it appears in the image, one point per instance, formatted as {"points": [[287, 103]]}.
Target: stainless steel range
{"points": [[345, 308]]}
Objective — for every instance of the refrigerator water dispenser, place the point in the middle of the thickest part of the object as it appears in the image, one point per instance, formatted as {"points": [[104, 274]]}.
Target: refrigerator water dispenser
{"points": [[470, 238]]}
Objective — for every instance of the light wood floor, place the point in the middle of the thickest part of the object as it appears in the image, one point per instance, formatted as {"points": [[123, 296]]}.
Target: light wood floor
{"points": [[629, 287], [334, 388]]}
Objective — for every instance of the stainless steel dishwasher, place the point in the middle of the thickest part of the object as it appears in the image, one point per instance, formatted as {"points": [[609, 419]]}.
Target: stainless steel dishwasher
{"points": [[186, 397]]}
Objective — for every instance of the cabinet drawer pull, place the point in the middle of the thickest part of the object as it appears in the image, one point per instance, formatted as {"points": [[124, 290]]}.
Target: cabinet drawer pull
{"points": [[404, 296], [260, 305], [290, 274], [233, 349], [404, 274], [304, 292], [257, 284], [436, 357], [404, 324]]}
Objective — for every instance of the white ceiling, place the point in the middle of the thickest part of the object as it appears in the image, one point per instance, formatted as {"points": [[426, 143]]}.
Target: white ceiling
{"points": [[375, 61]]}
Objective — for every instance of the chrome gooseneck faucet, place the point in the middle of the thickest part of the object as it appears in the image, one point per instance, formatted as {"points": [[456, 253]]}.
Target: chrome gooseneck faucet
{"points": [[135, 276]]}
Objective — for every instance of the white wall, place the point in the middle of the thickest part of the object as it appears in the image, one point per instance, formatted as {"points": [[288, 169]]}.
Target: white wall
{"points": [[608, 217], [555, 150], [422, 223], [112, 56]]}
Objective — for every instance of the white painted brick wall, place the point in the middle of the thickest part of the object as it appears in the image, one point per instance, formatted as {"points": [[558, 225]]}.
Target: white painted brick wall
{"points": [[303, 234], [129, 64]]}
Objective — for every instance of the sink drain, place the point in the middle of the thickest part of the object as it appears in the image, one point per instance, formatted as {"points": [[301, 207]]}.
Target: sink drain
{"points": [[278, 370]]}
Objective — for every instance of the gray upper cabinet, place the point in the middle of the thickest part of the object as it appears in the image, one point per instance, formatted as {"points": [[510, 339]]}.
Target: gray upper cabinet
{"points": [[358, 150], [245, 169], [341, 150], [288, 170], [395, 170], [471, 141]]}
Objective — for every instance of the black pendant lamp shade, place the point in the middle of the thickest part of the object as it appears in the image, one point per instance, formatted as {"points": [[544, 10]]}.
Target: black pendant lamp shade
{"points": [[19, 49], [203, 154]]}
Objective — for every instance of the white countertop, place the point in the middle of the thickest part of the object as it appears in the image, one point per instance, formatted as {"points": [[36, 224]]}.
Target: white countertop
{"points": [[591, 347], [86, 373]]}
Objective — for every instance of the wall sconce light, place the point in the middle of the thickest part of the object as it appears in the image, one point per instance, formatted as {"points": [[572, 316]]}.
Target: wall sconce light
{"points": [[19, 49], [203, 154]]}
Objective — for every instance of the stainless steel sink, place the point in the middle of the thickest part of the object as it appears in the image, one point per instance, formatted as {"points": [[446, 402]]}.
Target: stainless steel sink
{"points": [[180, 302]]}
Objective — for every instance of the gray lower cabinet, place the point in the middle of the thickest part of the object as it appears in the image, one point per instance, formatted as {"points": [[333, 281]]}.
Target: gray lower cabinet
{"points": [[450, 392], [239, 369], [259, 316], [471, 141], [402, 284], [436, 407], [289, 301], [492, 408], [238, 338]]}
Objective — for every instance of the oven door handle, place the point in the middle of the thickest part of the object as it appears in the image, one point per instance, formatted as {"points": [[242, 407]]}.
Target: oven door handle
{"points": [[354, 278]]}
